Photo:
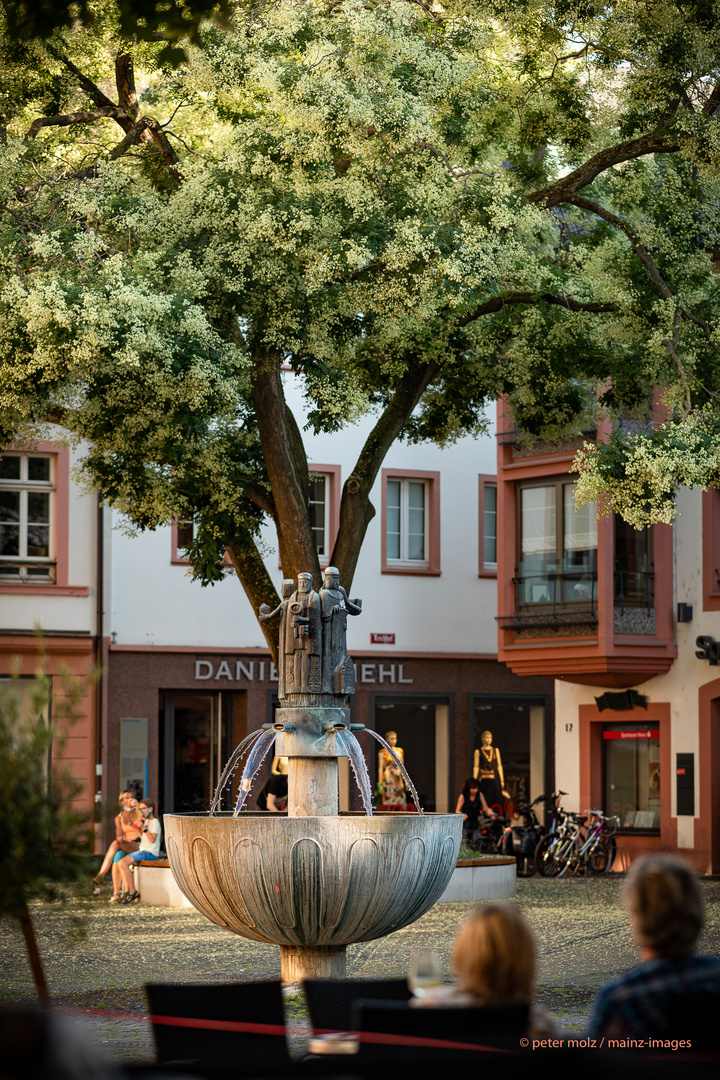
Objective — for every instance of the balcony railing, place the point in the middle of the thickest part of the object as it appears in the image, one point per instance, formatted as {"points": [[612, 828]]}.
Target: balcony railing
{"points": [[554, 607], [634, 589]]}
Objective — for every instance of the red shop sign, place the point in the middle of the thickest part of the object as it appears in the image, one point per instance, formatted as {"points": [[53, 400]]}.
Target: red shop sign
{"points": [[382, 639], [647, 734]]}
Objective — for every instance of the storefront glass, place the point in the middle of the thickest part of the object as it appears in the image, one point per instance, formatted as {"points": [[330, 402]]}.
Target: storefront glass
{"points": [[632, 775], [516, 752], [197, 735], [422, 728]]}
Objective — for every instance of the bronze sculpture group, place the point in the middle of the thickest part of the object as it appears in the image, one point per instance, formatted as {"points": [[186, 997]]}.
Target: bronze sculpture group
{"points": [[313, 657]]}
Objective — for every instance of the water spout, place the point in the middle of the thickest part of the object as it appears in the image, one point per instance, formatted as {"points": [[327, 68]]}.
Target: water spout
{"points": [[252, 766], [232, 764], [401, 767], [352, 748]]}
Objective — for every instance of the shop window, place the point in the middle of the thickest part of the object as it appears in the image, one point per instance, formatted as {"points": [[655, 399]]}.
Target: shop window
{"points": [[27, 518], [557, 544], [633, 574], [631, 763], [711, 549], [487, 499], [514, 752], [411, 522]]}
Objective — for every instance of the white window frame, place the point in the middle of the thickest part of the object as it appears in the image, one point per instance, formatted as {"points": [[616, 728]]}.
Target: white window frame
{"points": [[325, 479], [404, 558], [25, 486]]}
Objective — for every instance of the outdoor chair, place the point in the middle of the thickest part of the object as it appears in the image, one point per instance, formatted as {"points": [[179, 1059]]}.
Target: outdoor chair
{"points": [[392, 1031], [330, 1001], [208, 1029]]}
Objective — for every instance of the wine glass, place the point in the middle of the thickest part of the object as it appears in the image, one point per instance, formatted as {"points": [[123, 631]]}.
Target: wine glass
{"points": [[424, 972]]}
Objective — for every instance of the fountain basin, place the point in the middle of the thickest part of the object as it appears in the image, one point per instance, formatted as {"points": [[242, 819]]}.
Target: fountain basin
{"points": [[317, 883]]}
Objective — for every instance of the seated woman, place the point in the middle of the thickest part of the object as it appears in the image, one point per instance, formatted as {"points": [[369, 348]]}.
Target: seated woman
{"points": [[494, 962], [471, 804], [129, 824]]}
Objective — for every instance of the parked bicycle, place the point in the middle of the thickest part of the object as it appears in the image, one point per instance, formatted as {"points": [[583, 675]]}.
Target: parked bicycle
{"points": [[521, 841], [572, 848]]}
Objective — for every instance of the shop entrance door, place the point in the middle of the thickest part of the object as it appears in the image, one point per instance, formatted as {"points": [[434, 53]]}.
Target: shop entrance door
{"points": [[197, 736]]}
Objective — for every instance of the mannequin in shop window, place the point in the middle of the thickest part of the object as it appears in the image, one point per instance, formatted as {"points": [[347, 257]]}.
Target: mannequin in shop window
{"points": [[391, 786], [488, 769]]}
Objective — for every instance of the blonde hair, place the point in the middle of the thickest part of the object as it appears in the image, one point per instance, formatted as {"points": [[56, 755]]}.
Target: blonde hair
{"points": [[494, 956], [662, 895]]}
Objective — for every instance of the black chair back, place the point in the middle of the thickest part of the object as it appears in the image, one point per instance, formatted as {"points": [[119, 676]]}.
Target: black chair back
{"points": [[209, 1028], [393, 1031], [330, 1001]]}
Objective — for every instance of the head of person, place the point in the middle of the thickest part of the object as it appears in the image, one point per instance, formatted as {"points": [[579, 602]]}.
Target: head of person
{"points": [[494, 957], [332, 577], [486, 738], [391, 738], [471, 788], [666, 909], [147, 807], [125, 799], [304, 583]]}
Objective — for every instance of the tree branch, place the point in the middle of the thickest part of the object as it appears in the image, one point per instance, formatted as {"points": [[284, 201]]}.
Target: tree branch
{"points": [[561, 190], [65, 119], [496, 303]]}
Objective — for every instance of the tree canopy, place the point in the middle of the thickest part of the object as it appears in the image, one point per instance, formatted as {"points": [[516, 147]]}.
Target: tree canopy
{"points": [[419, 208]]}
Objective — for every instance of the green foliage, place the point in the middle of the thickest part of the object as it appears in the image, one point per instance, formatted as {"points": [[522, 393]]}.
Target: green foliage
{"points": [[364, 193], [44, 838], [140, 20]]}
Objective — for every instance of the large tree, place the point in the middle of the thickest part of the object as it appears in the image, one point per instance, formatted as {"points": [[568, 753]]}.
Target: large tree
{"points": [[417, 208]]}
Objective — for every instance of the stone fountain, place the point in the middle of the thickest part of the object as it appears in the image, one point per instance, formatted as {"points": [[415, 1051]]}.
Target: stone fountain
{"points": [[313, 880]]}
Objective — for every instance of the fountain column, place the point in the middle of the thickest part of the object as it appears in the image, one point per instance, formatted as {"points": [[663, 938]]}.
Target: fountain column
{"points": [[306, 736]]}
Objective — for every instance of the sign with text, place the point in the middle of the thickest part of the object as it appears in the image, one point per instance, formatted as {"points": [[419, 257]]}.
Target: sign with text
{"points": [[708, 649], [382, 639], [646, 734], [265, 671]]}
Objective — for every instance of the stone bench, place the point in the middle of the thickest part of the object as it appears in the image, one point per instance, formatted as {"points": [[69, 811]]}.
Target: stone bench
{"points": [[155, 882], [492, 877]]}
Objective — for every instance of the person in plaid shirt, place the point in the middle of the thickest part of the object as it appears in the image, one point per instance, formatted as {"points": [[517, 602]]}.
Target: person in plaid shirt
{"points": [[666, 915]]}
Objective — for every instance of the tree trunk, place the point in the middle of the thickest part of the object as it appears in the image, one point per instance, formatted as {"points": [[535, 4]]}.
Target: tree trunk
{"points": [[259, 589], [287, 471], [34, 956]]}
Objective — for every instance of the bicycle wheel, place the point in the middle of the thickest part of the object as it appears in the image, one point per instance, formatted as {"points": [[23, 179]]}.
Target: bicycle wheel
{"points": [[547, 856], [602, 857]]}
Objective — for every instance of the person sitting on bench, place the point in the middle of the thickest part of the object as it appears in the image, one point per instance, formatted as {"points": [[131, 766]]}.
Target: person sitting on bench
{"points": [[149, 849]]}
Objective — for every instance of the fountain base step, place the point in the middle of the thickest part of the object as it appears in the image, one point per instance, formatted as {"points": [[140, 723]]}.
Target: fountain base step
{"points": [[298, 963]]}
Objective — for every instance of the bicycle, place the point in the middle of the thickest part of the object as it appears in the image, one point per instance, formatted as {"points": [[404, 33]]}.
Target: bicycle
{"points": [[572, 849], [521, 841], [555, 851]]}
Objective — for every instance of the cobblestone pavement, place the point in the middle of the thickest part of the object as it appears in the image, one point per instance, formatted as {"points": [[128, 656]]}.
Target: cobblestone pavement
{"points": [[97, 956]]}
